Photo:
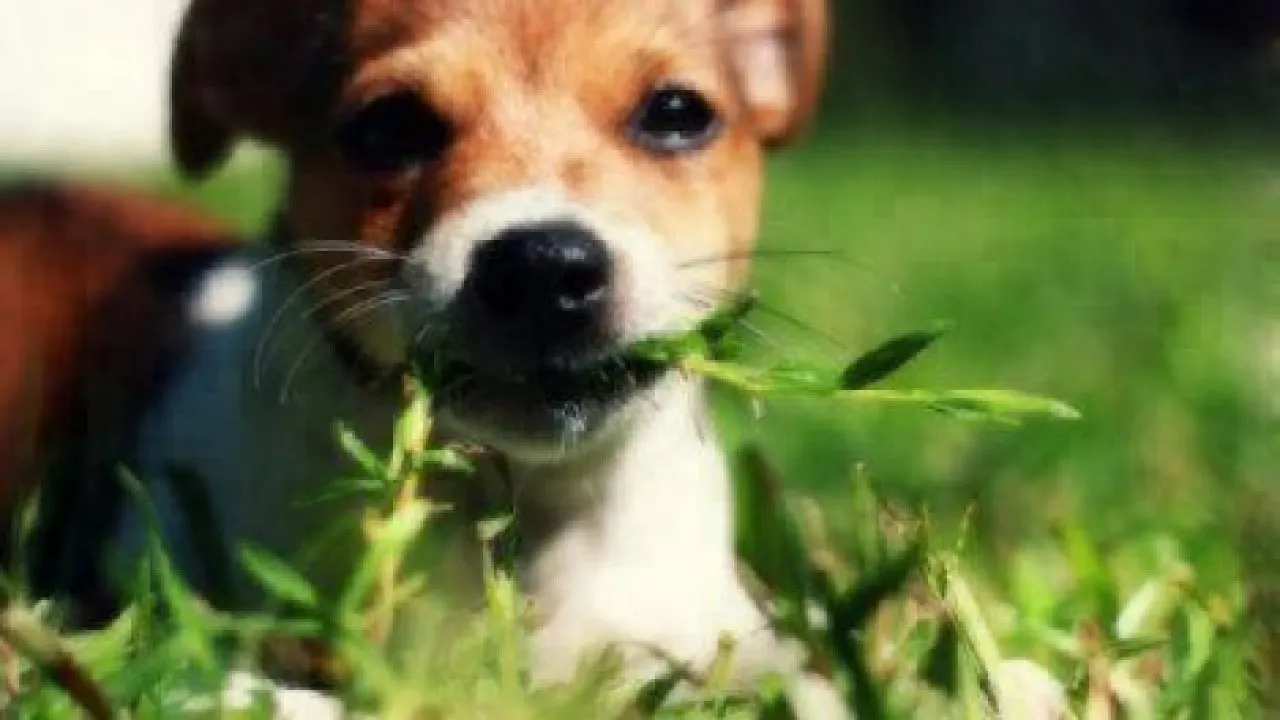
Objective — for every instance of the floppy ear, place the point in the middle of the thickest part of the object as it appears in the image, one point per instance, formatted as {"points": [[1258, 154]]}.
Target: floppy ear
{"points": [[777, 50], [241, 68]]}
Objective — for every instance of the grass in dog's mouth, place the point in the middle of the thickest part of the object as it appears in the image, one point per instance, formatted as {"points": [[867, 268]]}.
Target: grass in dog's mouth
{"points": [[713, 349]]}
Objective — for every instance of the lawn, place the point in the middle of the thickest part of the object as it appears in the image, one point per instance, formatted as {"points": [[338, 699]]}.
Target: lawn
{"points": [[1129, 271]]}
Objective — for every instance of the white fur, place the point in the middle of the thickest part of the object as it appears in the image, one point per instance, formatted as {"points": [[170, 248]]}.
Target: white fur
{"points": [[225, 295], [643, 550]]}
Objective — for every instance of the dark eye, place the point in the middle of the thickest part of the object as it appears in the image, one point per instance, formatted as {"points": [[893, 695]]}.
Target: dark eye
{"points": [[393, 133], [674, 120]]}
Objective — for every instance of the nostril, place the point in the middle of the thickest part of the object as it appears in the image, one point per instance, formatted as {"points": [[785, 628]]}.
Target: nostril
{"points": [[533, 271], [581, 284]]}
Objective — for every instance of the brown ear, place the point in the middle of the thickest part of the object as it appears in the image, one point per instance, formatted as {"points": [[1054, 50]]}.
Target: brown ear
{"points": [[778, 52], [241, 68]]}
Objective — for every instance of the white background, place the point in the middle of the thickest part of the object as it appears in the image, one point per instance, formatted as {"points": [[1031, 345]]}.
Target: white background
{"points": [[85, 81]]}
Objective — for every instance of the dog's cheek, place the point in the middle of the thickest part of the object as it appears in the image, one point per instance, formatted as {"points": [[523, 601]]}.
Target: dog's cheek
{"points": [[710, 213], [329, 204], [737, 178]]}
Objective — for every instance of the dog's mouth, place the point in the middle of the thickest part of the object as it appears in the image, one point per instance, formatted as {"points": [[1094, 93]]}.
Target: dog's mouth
{"points": [[562, 401], [602, 377]]}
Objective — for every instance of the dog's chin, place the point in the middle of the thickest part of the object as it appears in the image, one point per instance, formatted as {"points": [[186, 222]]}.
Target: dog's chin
{"points": [[545, 414]]}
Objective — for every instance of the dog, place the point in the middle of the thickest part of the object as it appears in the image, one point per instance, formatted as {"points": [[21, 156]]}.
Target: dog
{"points": [[529, 185]]}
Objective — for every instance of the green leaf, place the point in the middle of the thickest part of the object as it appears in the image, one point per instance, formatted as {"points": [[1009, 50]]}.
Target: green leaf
{"points": [[390, 541], [489, 529], [712, 338], [449, 459], [194, 629], [1007, 405], [360, 454], [144, 678], [278, 578], [1097, 591], [768, 540], [717, 327], [1206, 700], [797, 380], [969, 618], [347, 488], [867, 697], [109, 646], [1130, 648], [887, 359], [413, 429]]}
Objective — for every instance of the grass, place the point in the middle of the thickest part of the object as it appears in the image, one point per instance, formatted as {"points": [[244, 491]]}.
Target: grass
{"points": [[1129, 271]]}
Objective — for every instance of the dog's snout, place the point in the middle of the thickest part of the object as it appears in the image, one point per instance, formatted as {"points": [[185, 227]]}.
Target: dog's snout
{"points": [[543, 273]]}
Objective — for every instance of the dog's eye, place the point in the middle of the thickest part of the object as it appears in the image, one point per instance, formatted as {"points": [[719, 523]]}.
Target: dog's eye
{"points": [[674, 120], [393, 133]]}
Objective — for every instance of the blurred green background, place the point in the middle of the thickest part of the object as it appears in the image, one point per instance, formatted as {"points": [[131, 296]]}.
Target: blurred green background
{"points": [[1087, 190]]}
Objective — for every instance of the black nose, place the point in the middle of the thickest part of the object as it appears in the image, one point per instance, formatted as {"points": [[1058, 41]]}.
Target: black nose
{"points": [[544, 283]]}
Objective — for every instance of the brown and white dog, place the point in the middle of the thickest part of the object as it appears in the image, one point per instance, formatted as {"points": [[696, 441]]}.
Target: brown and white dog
{"points": [[532, 184]]}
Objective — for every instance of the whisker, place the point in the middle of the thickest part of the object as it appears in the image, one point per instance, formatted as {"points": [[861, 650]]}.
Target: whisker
{"points": [[345, 293], [428, 325], [766, 254], [319, 248], [765, 338], [700, 301], [786, 254], [260, 351], [831, 341], [705, 303], [355, 312]]}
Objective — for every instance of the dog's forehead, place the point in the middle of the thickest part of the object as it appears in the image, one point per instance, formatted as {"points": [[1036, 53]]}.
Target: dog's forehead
{"points": [[530, 32]]}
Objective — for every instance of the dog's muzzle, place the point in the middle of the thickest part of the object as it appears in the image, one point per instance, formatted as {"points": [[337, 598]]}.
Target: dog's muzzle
{"points": [[534, 354]]}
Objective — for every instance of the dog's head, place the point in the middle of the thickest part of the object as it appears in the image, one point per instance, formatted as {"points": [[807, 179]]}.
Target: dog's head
{"points": [[536, 183]]}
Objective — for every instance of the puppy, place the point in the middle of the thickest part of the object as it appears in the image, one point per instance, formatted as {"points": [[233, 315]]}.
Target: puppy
{"points": [[522, 187]]}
